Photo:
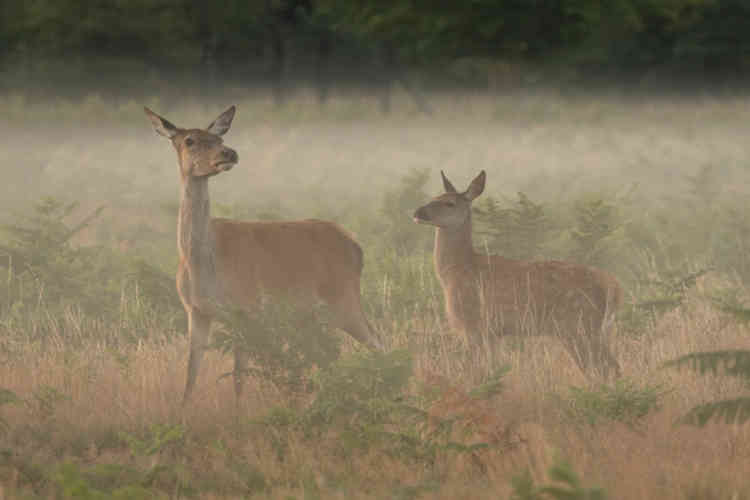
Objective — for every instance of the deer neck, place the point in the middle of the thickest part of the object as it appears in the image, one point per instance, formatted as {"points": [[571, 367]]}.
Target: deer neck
{"points": [[454, 252], [195, 240]]}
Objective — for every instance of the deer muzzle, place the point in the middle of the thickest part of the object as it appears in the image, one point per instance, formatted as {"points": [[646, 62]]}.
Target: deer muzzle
{"points": [[228, 158], [420, 216]]}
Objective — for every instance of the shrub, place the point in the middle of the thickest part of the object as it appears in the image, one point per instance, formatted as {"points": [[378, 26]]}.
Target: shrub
{"points": [[622, 402], [517, 231], [565, 485], [284, 341], [734, 363], [49, 279]]}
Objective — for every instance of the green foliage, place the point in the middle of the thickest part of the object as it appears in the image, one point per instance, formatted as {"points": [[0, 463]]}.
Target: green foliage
{"points": [[147, 292], [360, 398], [672, 290], [518, 231], [398, 280], [413, 492], [524, 229], [569, 485], [731, 411], [657, 292], [730, 301], [44, 401], [41, 263], [6, 397], [524, 487], [101, 482], [586, 37], [622, 402], [398, 228], [565, 485], [493, 386], [597, 232], [734, 363], [362, 403], [285, 341], [400, 288], [158, 438], [47, 276]]}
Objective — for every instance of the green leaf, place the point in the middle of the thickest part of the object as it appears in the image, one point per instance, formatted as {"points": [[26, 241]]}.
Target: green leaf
{"points": [[730, 411], [730, 362]]}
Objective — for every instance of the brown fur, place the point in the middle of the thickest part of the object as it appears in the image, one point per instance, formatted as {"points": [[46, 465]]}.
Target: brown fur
{"points": [[316, 257], [500, 296], [226, 262]]}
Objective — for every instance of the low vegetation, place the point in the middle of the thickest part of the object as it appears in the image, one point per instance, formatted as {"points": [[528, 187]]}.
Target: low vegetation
{"points": [[93, 348]]}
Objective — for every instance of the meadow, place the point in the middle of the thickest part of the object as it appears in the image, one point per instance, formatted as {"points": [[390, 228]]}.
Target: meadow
{"points": [[92, 335]]}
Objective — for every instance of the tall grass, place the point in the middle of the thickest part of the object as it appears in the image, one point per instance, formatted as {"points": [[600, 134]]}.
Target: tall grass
{"points": [[93, 352]]}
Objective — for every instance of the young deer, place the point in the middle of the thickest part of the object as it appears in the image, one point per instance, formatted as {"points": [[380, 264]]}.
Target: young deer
{"points": [[231, 263], [498, 296]]}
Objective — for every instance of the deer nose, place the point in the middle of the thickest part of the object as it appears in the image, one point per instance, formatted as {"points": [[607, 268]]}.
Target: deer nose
{"points": [[230, 155], [420, 214]]}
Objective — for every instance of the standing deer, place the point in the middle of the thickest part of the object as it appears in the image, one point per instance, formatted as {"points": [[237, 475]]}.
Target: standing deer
{"points": [[225, 262], [498, 296]]}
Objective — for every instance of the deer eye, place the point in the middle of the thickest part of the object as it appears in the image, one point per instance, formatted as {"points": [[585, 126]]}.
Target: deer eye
{"points": [[189, 141]]}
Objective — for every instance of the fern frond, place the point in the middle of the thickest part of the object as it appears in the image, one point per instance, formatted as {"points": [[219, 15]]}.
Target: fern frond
{"points": [[729, 411], [729, 362], [741, 314], [8, 397], [729, 302]]}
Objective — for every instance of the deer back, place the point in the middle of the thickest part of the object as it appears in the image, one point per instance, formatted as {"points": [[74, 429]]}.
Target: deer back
{"points": [[517, 296], [309, 258]]}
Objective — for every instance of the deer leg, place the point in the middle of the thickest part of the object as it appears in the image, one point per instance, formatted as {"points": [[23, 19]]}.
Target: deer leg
{"points": [[590, 351], [579, 350], [199, 325], [604, 355], [241, 358], [349, 317]]}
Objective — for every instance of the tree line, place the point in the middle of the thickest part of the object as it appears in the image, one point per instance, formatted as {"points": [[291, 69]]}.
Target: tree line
{"points": [[378, 42]]}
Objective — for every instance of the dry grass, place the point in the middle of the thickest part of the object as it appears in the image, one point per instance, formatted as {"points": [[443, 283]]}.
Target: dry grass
{"points": [[79, 401], [104, 392]]}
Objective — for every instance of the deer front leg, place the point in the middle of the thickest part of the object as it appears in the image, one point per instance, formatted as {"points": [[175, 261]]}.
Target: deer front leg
{"points": [[199, 325]]}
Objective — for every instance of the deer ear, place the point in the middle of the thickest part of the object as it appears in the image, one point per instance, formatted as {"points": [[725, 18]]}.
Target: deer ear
{"points": [[447, 184], [161, 125], [476, 187], [221, 125]]}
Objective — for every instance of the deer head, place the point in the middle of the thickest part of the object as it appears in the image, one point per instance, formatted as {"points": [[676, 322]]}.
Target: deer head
{"points": [[451, 209], [201, 153]]}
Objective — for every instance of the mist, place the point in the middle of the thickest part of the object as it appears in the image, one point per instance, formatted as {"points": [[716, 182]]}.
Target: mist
{"points": [[615, 146], [304, 160]]}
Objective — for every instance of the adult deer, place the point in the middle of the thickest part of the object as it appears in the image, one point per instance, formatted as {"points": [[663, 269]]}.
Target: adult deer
{"points": [[225, 262], [498, 296]]}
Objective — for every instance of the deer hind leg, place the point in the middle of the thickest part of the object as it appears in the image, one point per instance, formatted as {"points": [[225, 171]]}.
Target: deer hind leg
{"points": [[199, 325], [347, 315], [607, 359], [590, 350]]}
